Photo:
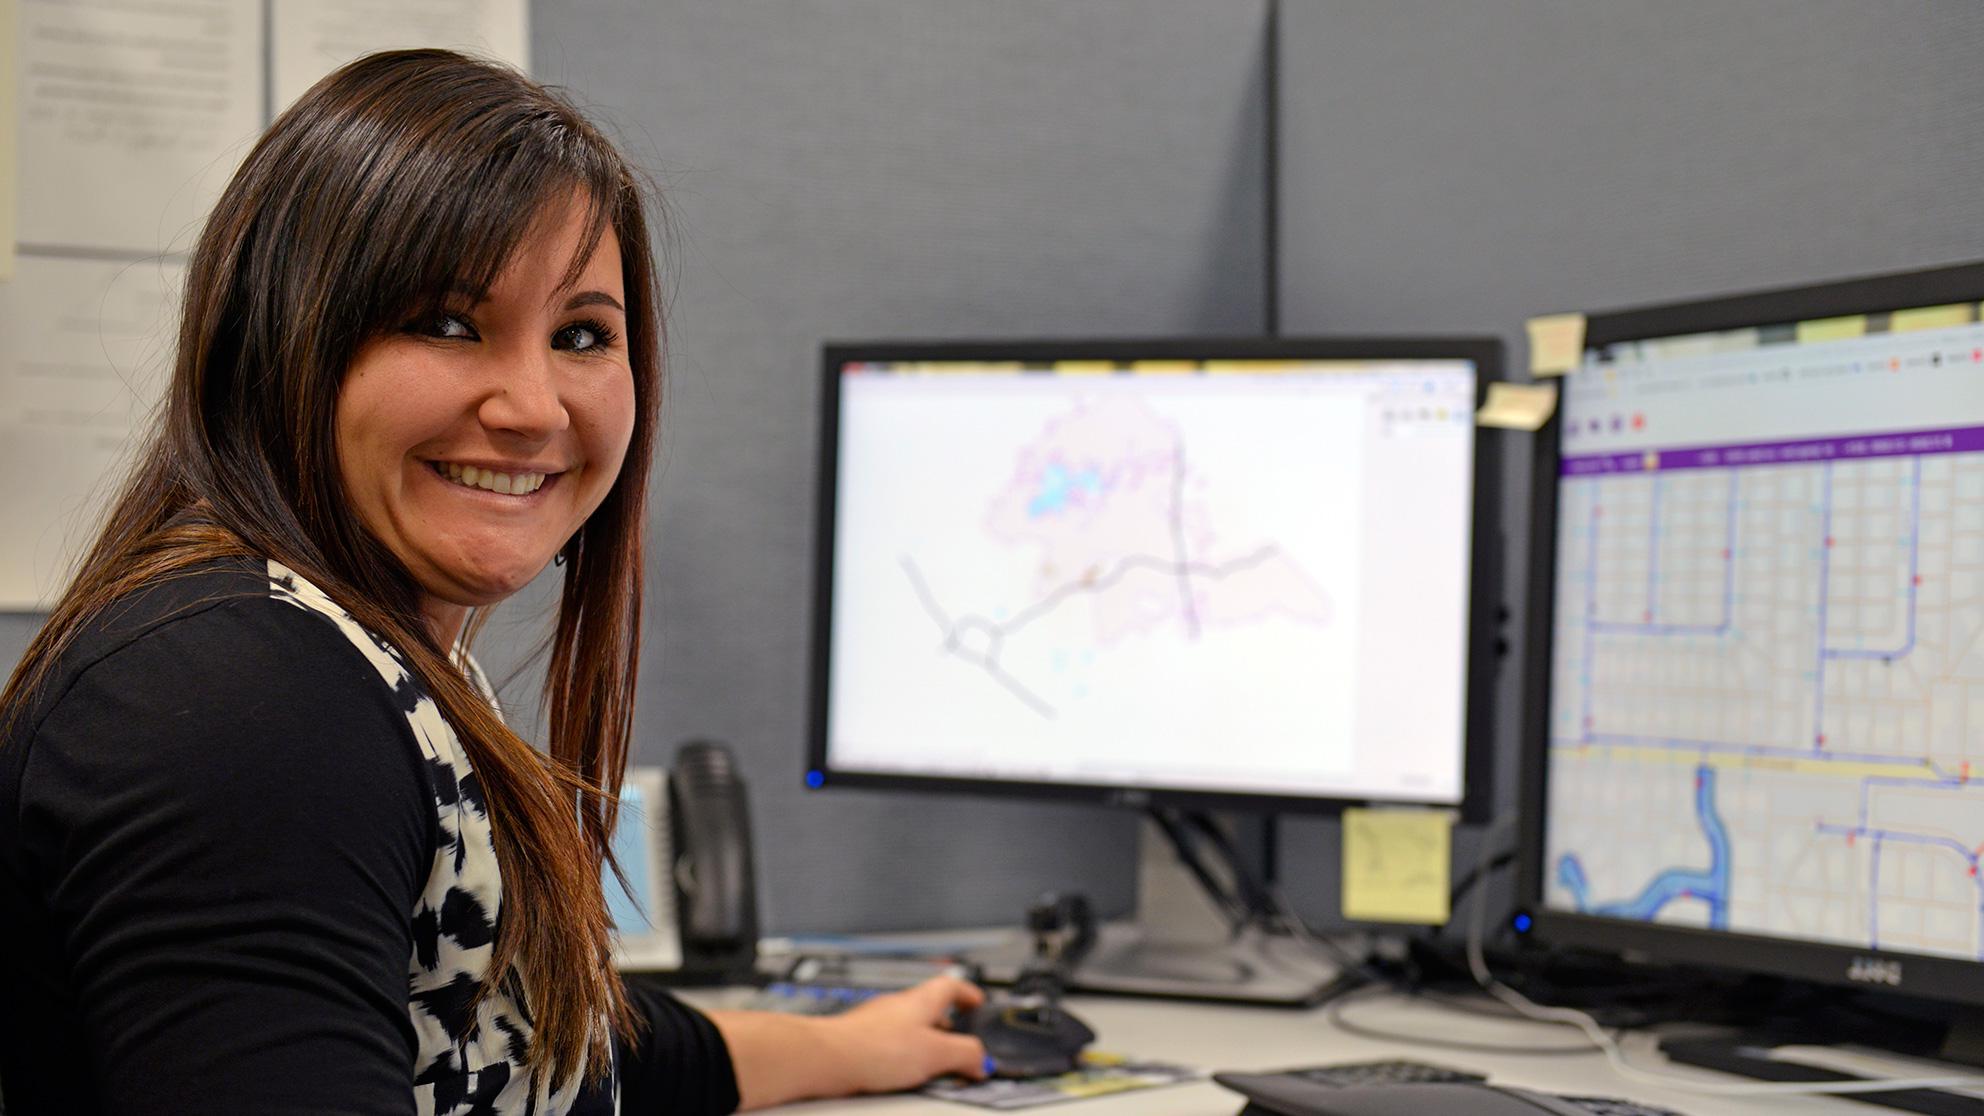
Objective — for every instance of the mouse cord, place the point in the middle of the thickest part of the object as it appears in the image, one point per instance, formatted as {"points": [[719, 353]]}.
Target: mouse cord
{"points": [[1477, 963]]}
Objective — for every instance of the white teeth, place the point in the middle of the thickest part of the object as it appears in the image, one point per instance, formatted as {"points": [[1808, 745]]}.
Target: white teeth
{"points": [[507, 484]]}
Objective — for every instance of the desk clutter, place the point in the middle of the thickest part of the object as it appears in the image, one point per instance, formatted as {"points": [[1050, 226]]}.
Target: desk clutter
{"points": [[820, 983]]}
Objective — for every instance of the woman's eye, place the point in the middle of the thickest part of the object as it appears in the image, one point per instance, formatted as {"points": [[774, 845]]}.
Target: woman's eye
{"points": [[444, 325], [583, 337]]}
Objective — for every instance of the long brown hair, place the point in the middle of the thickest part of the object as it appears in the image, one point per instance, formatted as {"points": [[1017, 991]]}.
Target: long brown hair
{"points": [[398, 179]]}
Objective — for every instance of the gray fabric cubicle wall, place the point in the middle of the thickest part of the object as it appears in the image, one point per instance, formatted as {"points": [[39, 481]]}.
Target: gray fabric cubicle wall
{"points": [[1463, 165], [861, 169], [16, 629]]}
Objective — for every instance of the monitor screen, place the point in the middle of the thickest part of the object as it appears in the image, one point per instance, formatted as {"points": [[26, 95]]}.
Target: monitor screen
{"points": [[1150, 570], [643, 906], [1766, 688]]}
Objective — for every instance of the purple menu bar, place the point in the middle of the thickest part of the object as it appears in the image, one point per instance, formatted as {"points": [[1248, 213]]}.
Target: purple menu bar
{"points": [[1855, 447]]}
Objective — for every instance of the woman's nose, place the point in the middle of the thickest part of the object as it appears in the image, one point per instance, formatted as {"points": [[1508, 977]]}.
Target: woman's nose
{"points": [[525, 399]]}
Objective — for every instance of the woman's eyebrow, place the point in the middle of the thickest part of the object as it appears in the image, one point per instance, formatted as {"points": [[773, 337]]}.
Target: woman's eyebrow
{"points": [[594, 298]]}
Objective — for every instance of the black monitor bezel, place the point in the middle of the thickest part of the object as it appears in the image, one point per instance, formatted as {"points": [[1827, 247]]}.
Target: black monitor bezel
{"points": [[1484, 597], [1918, 974]]}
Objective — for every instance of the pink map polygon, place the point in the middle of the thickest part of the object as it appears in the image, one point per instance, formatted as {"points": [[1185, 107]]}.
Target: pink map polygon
{"points": [[1105, 497]]}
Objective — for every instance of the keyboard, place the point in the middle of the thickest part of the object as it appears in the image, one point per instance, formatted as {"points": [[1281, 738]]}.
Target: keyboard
{"points": [[1404, 1088], [1611, 1106], [1352, 1074]]}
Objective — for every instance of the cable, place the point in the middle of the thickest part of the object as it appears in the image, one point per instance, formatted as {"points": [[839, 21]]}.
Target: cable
{"points": [[1252, 893], [1285, 913], [1339, 1018], [1234, 907], [1479, 875], [1477, 963]]}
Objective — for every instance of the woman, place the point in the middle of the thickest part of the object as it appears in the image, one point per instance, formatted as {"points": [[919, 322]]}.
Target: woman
{"points": [[265, 844]]}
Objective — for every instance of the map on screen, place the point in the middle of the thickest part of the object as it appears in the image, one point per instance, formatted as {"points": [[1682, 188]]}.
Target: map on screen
{"points": [[1767, 708], [1246, 576]]}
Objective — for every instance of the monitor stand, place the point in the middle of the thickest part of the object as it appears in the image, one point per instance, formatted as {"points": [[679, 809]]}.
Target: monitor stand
{"points": [[1254, 968], [1756, 1055], [1181, 946]]}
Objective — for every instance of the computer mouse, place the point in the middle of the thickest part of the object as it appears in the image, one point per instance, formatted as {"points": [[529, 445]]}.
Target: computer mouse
{"points": [[1027, 1039]]}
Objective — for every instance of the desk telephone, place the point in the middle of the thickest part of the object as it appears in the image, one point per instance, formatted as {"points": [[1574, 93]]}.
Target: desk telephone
{"points": [[683, 840]]}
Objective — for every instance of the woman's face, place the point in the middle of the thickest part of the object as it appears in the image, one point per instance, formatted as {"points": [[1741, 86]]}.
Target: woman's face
{"points": [[474, 444]]}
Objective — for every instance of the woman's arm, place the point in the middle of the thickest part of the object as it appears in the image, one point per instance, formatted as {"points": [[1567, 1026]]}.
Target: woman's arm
{"points": [[889, 1043], [231, 830]]}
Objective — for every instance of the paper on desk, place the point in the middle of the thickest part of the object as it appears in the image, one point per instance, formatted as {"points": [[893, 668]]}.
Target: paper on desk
{"points": [[1517, 406], [1099, 1075], [84, 348], [1556, 344], [1397, 865], [314, 37], [132, 118]]}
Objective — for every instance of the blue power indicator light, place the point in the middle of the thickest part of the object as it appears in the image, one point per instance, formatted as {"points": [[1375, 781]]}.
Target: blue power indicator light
{"points": [[816, 779], [1523, 922]]}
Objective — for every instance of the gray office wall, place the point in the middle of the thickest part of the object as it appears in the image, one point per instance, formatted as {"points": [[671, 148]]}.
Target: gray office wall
{"points": [[849, 169], [16, 628], [1465, 164]]}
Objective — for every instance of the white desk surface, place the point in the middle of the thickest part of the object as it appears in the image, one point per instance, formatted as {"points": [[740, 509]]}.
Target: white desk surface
{"points": [[1216, 1037]]}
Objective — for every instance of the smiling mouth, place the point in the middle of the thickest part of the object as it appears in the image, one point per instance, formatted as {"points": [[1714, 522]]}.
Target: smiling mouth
{"points": [[489, 480]]}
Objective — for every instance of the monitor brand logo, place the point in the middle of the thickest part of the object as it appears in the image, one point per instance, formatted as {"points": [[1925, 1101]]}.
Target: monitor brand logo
{"points": [[1874, 970]]}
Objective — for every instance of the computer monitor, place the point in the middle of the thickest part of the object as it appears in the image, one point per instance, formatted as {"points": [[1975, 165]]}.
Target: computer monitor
{"points": [[646, 923], [1189, 573], [1758, 723]]}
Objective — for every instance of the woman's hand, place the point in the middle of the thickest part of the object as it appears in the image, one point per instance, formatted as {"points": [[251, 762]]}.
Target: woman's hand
{"points": [[892, 1042], [902, 1040]]}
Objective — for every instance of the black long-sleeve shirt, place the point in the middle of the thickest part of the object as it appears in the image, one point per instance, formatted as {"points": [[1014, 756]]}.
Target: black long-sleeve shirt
{"points": [[232, 881]]}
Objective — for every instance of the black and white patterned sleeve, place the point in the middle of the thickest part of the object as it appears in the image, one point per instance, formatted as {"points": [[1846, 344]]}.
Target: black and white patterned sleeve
{"points": [[233, 827]]}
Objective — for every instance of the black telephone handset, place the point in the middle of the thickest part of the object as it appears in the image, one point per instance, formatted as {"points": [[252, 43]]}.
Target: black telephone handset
{"points": [[689, 912], [714, 877]]}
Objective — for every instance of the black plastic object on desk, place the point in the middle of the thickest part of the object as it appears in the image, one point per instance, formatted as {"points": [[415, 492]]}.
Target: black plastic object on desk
{"points": [[1027, 1038], [1292, 1094]]}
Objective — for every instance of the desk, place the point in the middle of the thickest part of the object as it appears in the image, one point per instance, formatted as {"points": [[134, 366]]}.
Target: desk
{"points": [[1218, 1037]]}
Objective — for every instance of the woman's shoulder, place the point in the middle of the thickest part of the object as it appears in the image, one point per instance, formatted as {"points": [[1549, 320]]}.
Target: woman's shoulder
{"points": [[235, 664], [251, 622], [207, 705]]}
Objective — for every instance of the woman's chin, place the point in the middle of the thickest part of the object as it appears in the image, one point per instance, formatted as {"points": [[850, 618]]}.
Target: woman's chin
{"points": [[487, 584]]}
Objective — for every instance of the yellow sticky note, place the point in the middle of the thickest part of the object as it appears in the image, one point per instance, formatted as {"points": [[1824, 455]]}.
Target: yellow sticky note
{"points": [[1556, 344], [1832, 329], [1929, 317], [1397, 865], [1517, 406], [1084, 367]]}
